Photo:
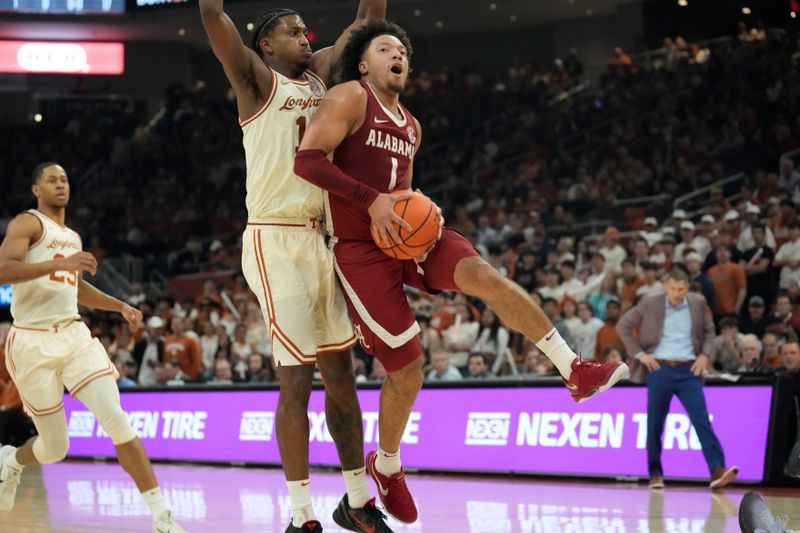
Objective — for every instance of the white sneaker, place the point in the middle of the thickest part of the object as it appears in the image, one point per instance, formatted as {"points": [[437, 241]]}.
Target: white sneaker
{"points": [[9, 480], [166, 524]]}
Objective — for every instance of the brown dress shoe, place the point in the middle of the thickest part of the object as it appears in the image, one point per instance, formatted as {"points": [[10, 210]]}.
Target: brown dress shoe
{"points": [[656, 483], [723, 477]]}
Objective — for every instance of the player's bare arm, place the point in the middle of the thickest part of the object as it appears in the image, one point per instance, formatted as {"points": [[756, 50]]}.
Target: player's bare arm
{"points": [[341, 113], [247, 73], [325, 61], [91, 296], [22, 232]]}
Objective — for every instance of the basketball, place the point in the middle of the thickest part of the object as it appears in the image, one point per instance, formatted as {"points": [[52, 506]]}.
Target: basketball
{"points": [[420, 213]]}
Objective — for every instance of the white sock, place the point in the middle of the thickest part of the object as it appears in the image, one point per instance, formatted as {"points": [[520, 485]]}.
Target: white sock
{"points": [[387, 463], [357, 490], [155, 502], [300, 497], [12, 463], [556, 349]]}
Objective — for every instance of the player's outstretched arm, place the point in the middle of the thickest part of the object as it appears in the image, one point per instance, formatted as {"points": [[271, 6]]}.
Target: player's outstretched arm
{"points": [[91, 296], [340, 114], [239, 62], [324, 61], [24, 231]]}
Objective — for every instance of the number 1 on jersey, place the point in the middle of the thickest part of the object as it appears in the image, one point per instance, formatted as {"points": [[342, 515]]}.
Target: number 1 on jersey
{"points": [[301, 130], [393, 182]]}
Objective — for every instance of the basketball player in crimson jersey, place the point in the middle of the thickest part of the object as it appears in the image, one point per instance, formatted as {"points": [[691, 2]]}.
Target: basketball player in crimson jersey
{"points": [[49, 347], [373, 139], [279, 83]]}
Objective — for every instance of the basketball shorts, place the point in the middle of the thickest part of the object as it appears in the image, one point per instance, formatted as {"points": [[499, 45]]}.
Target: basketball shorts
{"points": [[42, 361], [290, 270], [373, 286]]}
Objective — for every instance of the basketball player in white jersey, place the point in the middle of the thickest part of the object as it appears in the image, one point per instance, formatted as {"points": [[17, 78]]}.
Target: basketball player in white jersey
{"points": [[279, 84], [49, 347]]}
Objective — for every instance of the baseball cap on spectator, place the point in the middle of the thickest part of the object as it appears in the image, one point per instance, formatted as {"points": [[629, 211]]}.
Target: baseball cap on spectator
{"points": [[731, 215], [679, 213], [650, 221], [687, 224], [694, 256], [668, 239], [756, 301], [753, 209], [707, 218], [669, 229], [611, 231], [569, 256], [155, 322]]}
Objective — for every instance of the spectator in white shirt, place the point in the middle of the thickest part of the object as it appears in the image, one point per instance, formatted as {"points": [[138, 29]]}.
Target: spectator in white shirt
{"points": [[492, 337], [552, 288], [651, 234], [459, 338], [570, 284], [584, 334], [746, 242], [651, 284], [209, 344], [613, 253], [690, 239], [442, 369], [788, 257]]}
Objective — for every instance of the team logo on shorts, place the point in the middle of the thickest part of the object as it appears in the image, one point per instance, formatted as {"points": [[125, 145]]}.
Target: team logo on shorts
{"points": [[315, 87], [412, 134]]}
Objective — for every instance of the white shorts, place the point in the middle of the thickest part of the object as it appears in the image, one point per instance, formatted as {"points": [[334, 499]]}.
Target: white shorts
{"points": [[42, 361], [290, 269]]}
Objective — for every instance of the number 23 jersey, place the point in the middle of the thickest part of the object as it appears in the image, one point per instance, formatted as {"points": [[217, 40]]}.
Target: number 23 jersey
{"points": [[52, 298]]}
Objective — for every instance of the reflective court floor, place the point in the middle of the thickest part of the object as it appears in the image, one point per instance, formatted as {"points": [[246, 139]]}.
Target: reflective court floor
{"points": [[93, 497]]}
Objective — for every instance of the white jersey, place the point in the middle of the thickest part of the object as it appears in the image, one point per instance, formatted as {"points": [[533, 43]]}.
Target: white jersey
{"points": [[271, 139], [50, 299]]}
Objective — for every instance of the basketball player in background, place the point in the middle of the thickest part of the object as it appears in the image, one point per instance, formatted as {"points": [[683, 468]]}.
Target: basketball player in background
{"points": [[279, 83], [373, 139], [50, 348]]}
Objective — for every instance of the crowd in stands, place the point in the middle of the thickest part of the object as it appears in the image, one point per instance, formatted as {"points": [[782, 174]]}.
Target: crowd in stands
{"points": [[515, 164]]}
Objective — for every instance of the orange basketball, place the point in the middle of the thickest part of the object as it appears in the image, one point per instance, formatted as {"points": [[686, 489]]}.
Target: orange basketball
{"points": [[421, 215]]}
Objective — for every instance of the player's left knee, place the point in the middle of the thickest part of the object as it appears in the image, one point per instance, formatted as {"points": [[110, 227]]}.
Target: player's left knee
{"points": [[473, 274], [116, 424]]}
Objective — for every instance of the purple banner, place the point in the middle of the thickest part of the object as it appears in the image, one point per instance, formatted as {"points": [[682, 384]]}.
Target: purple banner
{"points": [[535, 430]]}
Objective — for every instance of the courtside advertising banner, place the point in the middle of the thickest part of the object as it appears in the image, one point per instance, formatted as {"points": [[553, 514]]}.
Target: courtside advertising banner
{"points": [[524, 430], [39, 57]]}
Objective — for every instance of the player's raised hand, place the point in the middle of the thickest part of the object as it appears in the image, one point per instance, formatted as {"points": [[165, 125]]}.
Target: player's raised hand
{"points": [[384, 218], [132, 316], [80, 262]]}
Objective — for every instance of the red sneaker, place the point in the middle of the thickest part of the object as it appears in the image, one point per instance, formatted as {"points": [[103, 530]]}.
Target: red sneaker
{"points": [[588, 378], [394, 493]]}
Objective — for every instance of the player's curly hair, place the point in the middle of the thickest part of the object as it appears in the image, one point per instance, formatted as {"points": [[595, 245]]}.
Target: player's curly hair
{"points": [[266, 23], [360, 40]]}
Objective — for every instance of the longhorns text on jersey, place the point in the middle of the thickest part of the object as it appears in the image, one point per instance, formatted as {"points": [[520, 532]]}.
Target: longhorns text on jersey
{"points": [[50, 299], [271, 137]]}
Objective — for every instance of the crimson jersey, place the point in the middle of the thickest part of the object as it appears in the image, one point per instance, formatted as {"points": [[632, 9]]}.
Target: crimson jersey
{"points": [[379, 154]]}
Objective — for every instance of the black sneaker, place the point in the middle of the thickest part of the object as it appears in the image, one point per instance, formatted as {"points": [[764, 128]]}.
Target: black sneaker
{"points": [[755, 516], [312, 526], [368, 519]]}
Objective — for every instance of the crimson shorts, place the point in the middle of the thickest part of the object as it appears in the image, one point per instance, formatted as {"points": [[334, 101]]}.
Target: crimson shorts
{"points": [[372, 283]]}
